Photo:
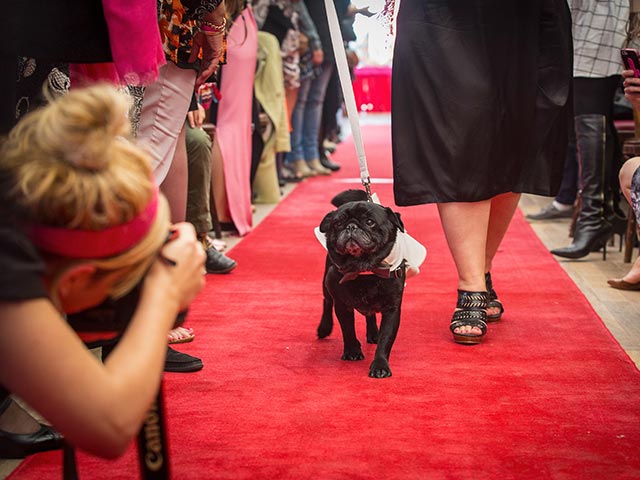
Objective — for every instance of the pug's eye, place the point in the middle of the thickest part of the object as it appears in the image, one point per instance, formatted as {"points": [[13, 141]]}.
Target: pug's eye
{"points": [[370, 223]]}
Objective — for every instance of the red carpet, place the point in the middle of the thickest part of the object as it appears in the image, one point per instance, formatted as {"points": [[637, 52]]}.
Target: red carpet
{"points": [[549, 395]]}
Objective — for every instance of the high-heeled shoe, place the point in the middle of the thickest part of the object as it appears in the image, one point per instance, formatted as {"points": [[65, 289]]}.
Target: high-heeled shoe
{"points": [[492, 300], [472, 313], [21, 445], [585, 242]]}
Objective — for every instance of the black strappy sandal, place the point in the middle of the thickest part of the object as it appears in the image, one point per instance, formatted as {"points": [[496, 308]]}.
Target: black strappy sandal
{"points": [[472, 313], [492, 301]]}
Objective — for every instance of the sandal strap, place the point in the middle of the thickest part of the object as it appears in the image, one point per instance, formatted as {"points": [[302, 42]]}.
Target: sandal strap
{"points": [[495, 303], [492, 295], [471, 300], [469, 318]]}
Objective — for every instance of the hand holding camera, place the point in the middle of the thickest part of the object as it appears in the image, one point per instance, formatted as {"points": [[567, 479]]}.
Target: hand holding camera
{"points": [[177, 276], [179, 270], [631, 75]]}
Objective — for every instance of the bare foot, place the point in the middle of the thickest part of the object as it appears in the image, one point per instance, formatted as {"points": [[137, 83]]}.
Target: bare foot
{"points": [[633, 275], [208, 242], [467, 329], [181, 335], [219, 245]]}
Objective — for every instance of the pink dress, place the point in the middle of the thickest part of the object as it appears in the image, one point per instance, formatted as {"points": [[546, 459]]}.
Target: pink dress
{"points": [[136, 58], [233, 124]]}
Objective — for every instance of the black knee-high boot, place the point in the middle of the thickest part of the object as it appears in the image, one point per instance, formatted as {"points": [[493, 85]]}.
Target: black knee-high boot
{"points": [[593, 226]]}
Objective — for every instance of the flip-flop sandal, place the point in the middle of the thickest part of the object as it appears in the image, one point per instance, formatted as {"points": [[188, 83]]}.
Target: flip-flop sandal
{"points": [[183, 338], [219, 245]]}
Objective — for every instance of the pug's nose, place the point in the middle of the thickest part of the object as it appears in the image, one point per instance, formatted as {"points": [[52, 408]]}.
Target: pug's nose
{"points": [[351, 227]]}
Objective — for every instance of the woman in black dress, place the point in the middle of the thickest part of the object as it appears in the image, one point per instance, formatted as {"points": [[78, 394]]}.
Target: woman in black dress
{"points": [[480, 110]]}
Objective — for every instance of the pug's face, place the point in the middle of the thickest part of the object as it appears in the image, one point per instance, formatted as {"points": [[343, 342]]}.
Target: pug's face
{"points": [[360, 234]]}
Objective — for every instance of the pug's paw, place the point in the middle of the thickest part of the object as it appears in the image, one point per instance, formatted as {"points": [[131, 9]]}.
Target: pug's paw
{"points": [[379, 369], [353, 355]]}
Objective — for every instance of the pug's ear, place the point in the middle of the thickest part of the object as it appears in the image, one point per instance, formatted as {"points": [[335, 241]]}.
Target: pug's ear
{"points": [[395, 219], [326, 222]]}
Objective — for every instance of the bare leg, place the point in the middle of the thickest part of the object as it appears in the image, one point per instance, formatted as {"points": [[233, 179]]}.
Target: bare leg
{"points": [[174, 186], [502, 210], [465, 227], [626, 176], [218, 183]]}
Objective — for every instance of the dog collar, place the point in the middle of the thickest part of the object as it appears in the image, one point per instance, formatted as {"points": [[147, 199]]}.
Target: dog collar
{"points": [[382, 271]]}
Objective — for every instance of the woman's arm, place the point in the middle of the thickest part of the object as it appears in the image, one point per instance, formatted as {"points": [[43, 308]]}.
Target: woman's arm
{"points": [[212, 46], [99, 408]]}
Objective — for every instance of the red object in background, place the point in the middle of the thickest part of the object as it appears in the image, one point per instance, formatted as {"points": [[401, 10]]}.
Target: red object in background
{"points": [[372, 88]]}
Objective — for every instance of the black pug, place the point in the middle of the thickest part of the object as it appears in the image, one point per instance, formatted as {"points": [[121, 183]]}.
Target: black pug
{"points": [[360, 235]]}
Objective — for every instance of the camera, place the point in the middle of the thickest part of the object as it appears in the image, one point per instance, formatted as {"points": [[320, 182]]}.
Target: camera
{"points": [[112, 315]]}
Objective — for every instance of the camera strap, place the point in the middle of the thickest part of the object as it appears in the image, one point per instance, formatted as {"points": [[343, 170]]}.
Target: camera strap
{"points": [[347, 92], [153, 448]]}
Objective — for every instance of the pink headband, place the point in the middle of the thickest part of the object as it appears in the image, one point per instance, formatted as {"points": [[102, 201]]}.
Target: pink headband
{"points": [[75, 243]]}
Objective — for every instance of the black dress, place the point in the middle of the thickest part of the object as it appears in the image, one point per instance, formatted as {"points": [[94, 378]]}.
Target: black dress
{"points": [[21, 271], [481, 100]]}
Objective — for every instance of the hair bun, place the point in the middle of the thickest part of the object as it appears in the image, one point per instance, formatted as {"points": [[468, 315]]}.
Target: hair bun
{"points": [[87, 123]]}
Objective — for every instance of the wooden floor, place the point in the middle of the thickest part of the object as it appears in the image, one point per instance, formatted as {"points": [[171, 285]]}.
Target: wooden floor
{"points": [[620, 310]]}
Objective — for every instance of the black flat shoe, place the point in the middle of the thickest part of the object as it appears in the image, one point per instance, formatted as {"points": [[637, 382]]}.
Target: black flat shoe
{"points": [[21, 445], [327, 163], [217, 262], [181, 362]]}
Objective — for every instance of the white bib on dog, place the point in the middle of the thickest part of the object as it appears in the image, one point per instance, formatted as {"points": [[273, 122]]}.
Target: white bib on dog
{"points": [[406, 248]]}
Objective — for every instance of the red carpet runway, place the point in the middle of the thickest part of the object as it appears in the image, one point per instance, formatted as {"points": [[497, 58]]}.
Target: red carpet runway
{"points": [[549, 395]]}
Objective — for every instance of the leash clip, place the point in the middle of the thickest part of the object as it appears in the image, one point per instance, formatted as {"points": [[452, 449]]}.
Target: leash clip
{"points": [[367, 187]]}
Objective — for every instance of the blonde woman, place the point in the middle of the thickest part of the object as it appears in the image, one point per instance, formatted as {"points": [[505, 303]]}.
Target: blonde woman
{"points": [[81, 221]]}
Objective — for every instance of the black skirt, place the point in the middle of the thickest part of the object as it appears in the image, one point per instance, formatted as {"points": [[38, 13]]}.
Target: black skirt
{"points": [[481, 101]]}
